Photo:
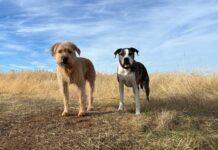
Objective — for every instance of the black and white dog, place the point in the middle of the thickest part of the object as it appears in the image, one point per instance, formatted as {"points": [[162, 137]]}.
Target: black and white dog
{"points": [[132, 74]]}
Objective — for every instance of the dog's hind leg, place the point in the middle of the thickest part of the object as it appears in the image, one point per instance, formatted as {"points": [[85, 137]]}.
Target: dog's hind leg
{"points": [[137, 99], [91, 98]]}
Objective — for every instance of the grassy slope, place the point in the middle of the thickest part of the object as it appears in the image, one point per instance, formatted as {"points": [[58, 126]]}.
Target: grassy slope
{"points": [[182, 114]]}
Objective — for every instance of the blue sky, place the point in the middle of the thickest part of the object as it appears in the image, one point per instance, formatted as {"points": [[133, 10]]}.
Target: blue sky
{"points": [[171, 35]]}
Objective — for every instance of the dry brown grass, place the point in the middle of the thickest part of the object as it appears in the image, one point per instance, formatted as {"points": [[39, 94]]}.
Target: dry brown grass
{"points": [[182, 114]]}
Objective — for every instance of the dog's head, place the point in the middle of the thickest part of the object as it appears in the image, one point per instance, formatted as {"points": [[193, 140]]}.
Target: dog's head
{"points": [[64, 52], [126, 56]]}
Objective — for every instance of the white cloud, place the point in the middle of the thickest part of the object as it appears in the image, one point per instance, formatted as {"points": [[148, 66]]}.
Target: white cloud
{"points": [[16, 47], [22, 67]]}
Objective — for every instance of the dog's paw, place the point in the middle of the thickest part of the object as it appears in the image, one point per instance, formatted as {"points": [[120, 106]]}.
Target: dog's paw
{"points": [[64, 114], [81, 113], [120, 107], [90, 108], [120, 110], [137, 113]]}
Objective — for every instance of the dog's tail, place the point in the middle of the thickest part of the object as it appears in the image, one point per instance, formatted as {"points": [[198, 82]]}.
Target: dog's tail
{"points": [[141, 85], [146, 85], [147, 90]]}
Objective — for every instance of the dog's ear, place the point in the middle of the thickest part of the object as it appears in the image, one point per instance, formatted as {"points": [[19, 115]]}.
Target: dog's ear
{"points": [[74, 47], [77, 50], [117, 52], [134, 50], [52, 49]]}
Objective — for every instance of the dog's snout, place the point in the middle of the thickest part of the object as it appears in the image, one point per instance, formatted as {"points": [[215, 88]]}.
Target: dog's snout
{"points": [[65, 60], [126, 60]]}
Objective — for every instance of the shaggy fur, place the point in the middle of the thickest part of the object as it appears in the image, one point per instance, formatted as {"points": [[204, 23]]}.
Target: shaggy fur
{"points": [[74, 70]]}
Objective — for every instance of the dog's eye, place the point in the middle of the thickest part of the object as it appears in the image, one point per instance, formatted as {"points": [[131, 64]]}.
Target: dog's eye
{"points": [[69, 51], [122, 54], [130, 54], [60, 51]]}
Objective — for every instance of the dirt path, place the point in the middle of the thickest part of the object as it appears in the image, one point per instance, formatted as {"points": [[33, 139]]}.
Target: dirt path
{"points": [[30, 123]]}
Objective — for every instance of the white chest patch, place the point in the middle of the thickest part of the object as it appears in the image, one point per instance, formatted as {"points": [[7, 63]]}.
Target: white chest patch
{"points": [[126, 76]]}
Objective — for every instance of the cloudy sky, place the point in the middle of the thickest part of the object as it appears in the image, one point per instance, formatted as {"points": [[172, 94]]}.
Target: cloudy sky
{"points": [[171, 35]]}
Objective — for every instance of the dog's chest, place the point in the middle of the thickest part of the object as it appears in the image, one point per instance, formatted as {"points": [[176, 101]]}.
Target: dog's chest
{"points": [[67, 75], [126, 77]]}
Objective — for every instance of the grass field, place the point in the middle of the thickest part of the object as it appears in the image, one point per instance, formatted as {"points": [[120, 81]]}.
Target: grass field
{"points": [[182, 114]]}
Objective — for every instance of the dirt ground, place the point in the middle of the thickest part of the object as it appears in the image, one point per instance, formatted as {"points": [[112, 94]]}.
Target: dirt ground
{"points": [[34, 123]]}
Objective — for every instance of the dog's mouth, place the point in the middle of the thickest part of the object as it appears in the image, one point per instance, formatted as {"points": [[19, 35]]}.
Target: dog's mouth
{"points": [[126, 66], [64, 62]]}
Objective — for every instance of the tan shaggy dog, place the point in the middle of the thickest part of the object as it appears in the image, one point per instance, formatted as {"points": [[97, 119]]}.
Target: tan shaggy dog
{"points": [[76, 70]]}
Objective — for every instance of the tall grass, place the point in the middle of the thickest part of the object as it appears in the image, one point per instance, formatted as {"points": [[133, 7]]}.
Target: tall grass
{"points": [[169, 86]]}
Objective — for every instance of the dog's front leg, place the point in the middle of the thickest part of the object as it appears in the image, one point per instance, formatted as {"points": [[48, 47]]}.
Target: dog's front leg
{"points": [[137, 99], [82, 100], [65, 91], [121, 90]]}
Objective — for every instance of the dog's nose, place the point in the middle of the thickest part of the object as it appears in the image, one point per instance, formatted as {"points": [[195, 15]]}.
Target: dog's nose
{"points": [[126, 60], [65, 60]]}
